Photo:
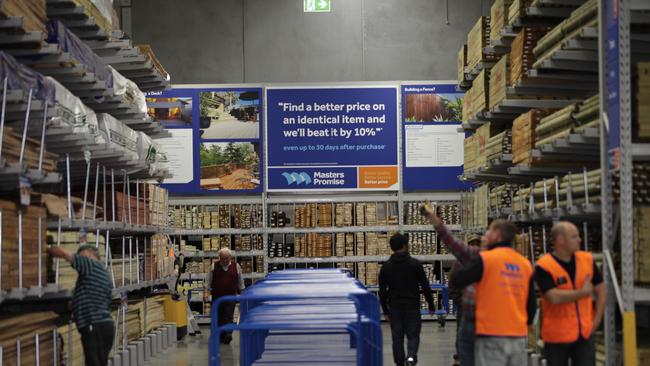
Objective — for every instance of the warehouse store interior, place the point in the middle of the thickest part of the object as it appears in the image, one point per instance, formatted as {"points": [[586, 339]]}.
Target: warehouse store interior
{"points": [[324, 182]]}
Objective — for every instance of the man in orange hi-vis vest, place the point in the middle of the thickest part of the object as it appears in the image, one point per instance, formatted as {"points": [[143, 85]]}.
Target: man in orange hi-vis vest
{"points": [[505, 298], [567, 278]]}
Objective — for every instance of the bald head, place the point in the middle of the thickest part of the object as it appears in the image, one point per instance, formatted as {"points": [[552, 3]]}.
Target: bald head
{"points": [[565, 237]]}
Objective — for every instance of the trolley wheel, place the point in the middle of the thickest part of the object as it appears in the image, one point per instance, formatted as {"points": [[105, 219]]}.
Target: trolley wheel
{"points": [[441, 321]]}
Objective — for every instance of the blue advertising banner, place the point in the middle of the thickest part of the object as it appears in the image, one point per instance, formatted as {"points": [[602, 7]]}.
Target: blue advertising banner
{"points": [[327, 129], [432, 156], [215, 145], [612, 67]]}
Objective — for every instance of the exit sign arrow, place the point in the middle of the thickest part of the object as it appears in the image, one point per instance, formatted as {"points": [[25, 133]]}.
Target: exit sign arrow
{"points": [[317, 6]]}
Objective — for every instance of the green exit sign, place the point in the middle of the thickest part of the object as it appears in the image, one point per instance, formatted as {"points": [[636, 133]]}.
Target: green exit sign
{"points": [[317, 6]]}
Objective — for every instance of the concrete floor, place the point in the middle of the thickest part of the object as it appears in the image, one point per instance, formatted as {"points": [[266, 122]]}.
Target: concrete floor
{"points": [[436, 348], [231, 129]]}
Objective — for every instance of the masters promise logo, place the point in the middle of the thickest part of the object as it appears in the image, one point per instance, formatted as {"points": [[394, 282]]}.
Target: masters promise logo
{"points": [[297, 178]]}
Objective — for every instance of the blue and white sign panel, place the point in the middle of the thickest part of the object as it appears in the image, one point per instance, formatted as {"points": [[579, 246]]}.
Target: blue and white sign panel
{"points": [[332, 138], [432, 144]]}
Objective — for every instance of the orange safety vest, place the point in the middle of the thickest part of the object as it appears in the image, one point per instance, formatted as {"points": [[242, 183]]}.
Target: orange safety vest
{"points": [[562, 323], [502, 294]]}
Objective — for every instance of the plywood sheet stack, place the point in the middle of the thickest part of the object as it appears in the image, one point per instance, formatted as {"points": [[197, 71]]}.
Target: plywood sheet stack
{"points": [[343, 214], [642, 101], [24, 327], [10, 263], [70, 241], [11, 142], [462, 63], [325, 215], [477, 40], [134, 320], [480, 92], [33, 13], [521, 52], [155, 312], [498, 18], [499, 145], [523, 134], [585, 15]]}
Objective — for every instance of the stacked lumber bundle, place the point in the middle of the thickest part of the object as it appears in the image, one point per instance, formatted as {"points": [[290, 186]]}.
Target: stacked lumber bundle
{"points": [[641, 235], [248, 242], [25, 327], [585, 16], [467, 106], [640, 184], [11, 142], [151, 56], [372, 273], [499, 78], [325, 215], [502, 197], [641, 100], [313, 245], [483, 135], [130, 274], [462, 63], [370, 213], [470, 150], [521, 52], [480, 206], [372, 244], [449, 213], [480, 93], [523, 135], [134, 321], [70, 241], [10, 264], [343, 214], [157, 256], [155, 312], [498, 18], [499, 145], [574, 118], [156, 205], [361, 272], [101, 11], [360, 239], [423, 243], [77, 355], [412, 214], [517, 10], [477, 40], [32, 12], [306, 215]]}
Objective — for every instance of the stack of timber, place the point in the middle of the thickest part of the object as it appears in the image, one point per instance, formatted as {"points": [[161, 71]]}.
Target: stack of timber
{"points": [[100, 11], [462, 64], [470, 149], [498, 18], [502, 197], [477, 40], [640, 184], [575, 183], [499, 145], [521, 52], [517, 10], [537, 192], [479, 94], [155, 312], [574, 118], [134, 321], [467, 106], [423, 243], [553, 41], [523, 135], [499, 81], [70, 241], [11, 142], [641, 100], [641, 237], [71, 347], [32, 12], [343, 214], [482, 136], [24, 328], [30, 240]]}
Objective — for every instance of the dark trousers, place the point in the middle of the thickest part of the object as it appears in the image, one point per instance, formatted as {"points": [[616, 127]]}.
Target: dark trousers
{"points": [[466, 340], [459, 317], [226, 316], [405, 322], [581, 352], [97, 341]]}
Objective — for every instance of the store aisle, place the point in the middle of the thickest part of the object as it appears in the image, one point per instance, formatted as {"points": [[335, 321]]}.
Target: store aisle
{"points": [[436, 348]]}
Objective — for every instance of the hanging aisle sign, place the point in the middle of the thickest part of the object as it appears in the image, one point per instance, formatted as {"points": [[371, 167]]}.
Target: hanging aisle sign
{"points": [[338, 138]]}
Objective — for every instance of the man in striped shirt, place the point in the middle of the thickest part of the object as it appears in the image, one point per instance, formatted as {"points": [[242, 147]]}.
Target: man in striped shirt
{"points": [[91, 302]]}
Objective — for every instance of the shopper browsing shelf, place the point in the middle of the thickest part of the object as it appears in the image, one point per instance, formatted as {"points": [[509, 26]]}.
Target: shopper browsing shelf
{"points": [[225, 279], [91, 302], [466, 329], [505, 298], [401, 280], [568, 278]]}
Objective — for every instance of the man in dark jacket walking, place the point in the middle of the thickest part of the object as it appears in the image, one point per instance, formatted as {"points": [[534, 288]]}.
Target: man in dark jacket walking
{"points": [[400, 281]]}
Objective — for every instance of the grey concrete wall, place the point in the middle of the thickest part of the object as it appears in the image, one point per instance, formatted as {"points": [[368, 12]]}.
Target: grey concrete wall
{"points": [[235, 41]]}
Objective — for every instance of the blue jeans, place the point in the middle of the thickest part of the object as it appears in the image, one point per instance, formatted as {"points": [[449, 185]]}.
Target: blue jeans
{"points": [[405, 322], [467, 335]]}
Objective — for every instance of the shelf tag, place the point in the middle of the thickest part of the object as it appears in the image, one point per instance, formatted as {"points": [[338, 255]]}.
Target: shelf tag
{"points": [[25, 187]]}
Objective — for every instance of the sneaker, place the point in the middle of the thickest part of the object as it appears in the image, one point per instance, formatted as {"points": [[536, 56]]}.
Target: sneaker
{"points": [[410, 361]]}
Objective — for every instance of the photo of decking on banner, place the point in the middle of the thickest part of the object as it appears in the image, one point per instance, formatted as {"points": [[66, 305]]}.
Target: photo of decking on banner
{"points": [[230, 165], [230, 114]]}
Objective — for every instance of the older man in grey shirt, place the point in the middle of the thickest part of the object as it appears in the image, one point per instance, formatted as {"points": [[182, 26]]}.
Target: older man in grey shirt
{"points": [[225, 279]]}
